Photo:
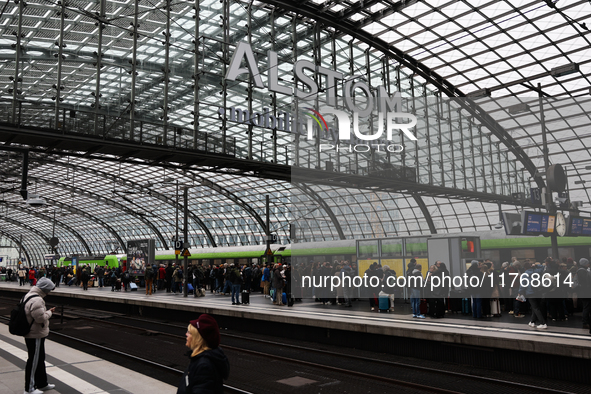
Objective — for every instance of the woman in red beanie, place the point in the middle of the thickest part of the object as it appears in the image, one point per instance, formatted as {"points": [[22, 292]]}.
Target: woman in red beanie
{"points": [[209, 366]]}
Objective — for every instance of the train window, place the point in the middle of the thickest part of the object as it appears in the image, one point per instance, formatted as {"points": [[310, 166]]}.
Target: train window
{"points": [[494, 255], [523, 253], [391, 248], [367, 249], [563, 253], [416, 246]]}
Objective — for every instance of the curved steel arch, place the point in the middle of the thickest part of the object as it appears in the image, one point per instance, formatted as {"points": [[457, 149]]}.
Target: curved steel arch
{"points": [[98, 198], [77, 211], [427, 215], [51, 220], [320, 14], [15, 240], [154, 193], [320, 201], [226, 193], [28, 228]]}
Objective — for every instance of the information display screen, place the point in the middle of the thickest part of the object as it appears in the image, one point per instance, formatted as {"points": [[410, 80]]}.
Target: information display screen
{"points": [[535, 223], [579, 226]]}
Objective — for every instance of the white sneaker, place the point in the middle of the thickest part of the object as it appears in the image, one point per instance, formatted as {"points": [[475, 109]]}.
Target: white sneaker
{"points": [[34, 392], [48, 387], [532, 324], [542, 326]]}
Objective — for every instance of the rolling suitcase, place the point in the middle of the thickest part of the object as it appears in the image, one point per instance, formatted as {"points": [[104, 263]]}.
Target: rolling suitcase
{"points": [[439, 306], [495, 307], [284, 298], [466, 307], [245, 297], [423, 307], [118, 285], [384, 304], [133, 286], [190, 288]]}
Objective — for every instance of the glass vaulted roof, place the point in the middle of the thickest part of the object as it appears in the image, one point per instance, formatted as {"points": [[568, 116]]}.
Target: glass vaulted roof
{"points": [[129, 70]]}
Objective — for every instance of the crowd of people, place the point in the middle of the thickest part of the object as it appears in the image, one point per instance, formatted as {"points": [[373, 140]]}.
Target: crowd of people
{"points": [[510, 288]]}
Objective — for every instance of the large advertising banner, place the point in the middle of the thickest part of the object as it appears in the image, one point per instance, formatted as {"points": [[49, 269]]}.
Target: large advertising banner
{"points": [[139, 253]]}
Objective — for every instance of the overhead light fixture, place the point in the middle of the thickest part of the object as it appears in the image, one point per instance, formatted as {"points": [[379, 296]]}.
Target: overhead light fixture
{"points": [[588, 167], [564, 70], [479, 93], [499, 225], [518, 108], [580, 182]]}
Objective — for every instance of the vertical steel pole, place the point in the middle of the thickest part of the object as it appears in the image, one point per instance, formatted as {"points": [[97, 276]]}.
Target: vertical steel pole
{"points": [[225, 55], [550, 207], [268, 230], [166, 73], [99, 60], [59, 65], [17, 60], [176, 256], [250, 81], [196, 76], [186, 237], [133, 70]]}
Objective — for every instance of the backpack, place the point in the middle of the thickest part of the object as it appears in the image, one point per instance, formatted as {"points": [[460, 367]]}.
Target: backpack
{"points": [[149, 273], [126, 275], [19, 324], [212, 274]]}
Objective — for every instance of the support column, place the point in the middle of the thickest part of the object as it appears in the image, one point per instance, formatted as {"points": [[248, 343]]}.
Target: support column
{"points": [[58, 85], [17, 61], [99, 60], [196, 76], [133, 71], [166, 73]]}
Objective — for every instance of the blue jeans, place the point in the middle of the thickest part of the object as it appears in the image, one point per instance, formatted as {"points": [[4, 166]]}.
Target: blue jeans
{"points": [[415, 303], [476, 306], [236, 292], [177, 285]]}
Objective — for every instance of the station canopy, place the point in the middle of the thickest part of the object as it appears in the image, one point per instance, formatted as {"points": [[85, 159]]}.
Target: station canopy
{"points": [[487, 81]]}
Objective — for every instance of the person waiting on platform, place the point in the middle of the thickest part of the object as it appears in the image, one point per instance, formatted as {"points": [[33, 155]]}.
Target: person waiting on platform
{"points": [[278, 284], [235, 278], [209, 366], [149, 276], [389, 284], [85, 276], [533, 295], [178, 280], [266, 280], [474, 271], [22, 275], [38, 316], [415, 280]]}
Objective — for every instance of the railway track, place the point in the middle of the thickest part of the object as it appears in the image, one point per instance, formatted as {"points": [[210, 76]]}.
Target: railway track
{"points": [[287, 355], [227, 388], [504, 385]]}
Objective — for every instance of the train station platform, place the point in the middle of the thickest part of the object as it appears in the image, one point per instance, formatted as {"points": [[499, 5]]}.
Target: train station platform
{"points": [[71, 371], [566, 339]]}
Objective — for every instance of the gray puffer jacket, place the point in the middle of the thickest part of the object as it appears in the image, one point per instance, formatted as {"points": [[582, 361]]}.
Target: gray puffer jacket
{"points": [[36, 311]]}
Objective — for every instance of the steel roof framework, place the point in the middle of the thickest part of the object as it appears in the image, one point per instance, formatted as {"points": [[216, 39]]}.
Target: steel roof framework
{"points": [[434, 49]]}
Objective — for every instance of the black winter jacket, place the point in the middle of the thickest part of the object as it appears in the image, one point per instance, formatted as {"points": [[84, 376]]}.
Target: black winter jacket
{"points": [[206, 373]]}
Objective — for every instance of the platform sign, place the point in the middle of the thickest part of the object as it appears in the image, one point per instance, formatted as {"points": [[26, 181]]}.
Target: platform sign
{"points": [[140, 252], [186, 253], [586, 230], [536, 223]]}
